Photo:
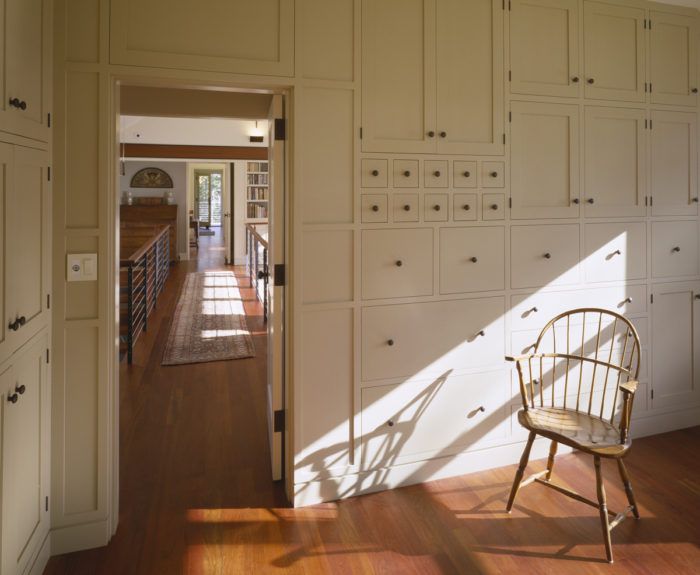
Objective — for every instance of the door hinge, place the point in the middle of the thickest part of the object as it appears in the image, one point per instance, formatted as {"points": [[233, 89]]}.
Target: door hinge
{"points": [[510, 116], [278, 421], [645, 87], [47, 503], [510, 202], [651, 87], [649, 23], [504, 139], [646, 123], [645, 23], [510, 76], [651, 124], [48, 173], [280, 272], [652, 394], [509, 8], [360, 132], [47, 355], [48, 119], [651, 298], [651, 200], [48, 301], [646, 200], [280, 129]]}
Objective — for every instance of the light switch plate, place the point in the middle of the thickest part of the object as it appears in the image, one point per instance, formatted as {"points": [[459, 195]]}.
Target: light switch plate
{"points": [[81, 267]]}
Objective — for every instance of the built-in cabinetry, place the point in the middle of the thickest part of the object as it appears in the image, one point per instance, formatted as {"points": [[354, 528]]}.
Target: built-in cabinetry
{"points": [[257, 194]]}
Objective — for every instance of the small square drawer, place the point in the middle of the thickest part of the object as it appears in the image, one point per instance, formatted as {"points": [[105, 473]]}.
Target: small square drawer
{"points": [[374, 173], [374, 208], [545, 255], [435, 172], [436, 208], [464, 174], [405, 173], [406, 207], [493, 206], [472, 259], [674, 249], [464, 208], [492, 174]]}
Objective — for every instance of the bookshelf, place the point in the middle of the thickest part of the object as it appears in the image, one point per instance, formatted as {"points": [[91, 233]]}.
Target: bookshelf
{"points": [[257, 193]]}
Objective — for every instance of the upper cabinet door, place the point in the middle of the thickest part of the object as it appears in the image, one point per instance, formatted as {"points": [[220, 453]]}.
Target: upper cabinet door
{"points": [[544, 160], [398, 76], [26, 97], [469, 71], [674, 163], [6, 179], [615, 166], [673, 57], [614, 52], [544, 53]]}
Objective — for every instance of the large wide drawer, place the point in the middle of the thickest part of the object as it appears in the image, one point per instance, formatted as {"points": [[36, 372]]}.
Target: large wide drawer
{"points": [[615, 252], [544, 255], [472, 259], [397, 263], [440, 417], [674, 251], [432, 338]]}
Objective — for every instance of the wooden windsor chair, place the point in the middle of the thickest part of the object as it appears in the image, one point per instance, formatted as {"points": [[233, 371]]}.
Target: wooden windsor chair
{"points": [[578, 389]]}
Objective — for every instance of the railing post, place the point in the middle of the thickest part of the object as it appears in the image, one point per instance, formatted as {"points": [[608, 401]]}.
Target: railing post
{"points": [[130, 314], [145, 295], [266, 279]]}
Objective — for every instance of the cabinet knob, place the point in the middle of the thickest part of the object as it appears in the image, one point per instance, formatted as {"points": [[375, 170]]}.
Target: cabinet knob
{"points": [[575, 201], [494, 174], [482, 409], [17, 103], [436, 173], [590, 81], [473, 259], [467, 174], [481, 333], [431, 134], [466, 207], [20, 389], [575, 79], [390, 342], [676, 249], [533, 310], [22, 320], [390, 423], [399, 263], [375, 173], [14, 325], [695, 200], [436, 207], [697, 296], [627, 300], [494, 207], [590, 200], [694, 90], [14, 398], [407, 208], [375, 208], [547, 256], [407, 173], [443, 134]]}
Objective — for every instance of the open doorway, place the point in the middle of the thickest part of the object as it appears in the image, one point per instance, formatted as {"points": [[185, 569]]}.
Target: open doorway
{"points": [[200, 397]]}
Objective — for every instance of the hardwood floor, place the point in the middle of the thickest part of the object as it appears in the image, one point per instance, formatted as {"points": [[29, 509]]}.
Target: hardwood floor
{"points": [[196, 495]]}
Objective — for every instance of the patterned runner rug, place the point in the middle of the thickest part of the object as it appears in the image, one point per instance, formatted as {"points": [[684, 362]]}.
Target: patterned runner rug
{"points": [[209, 322]]}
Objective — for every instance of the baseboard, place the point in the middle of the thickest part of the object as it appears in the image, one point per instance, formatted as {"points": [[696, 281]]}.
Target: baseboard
{"points": [[183, 257], [42, 557], [240, 261], [332, 488], [80, 537]]}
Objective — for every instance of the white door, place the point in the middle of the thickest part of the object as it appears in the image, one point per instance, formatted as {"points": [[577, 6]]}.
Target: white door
{"points": [[276, 281], [226, 220]]}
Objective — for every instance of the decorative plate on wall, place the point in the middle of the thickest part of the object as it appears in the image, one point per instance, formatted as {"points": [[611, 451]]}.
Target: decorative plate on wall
{"points": [[151, 178]]}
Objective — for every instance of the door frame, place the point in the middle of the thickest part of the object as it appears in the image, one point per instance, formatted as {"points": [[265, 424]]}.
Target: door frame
{"points": [[112, 133]]}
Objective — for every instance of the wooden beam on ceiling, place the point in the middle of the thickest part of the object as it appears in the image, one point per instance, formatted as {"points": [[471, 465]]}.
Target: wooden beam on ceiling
{"points": [[171, 151]]}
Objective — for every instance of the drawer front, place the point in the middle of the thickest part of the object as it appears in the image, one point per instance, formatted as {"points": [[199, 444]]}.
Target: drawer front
{"points": [[406, 207], [544, 255], [533, 311], [429, 339], [405, 173], [674, 249], [375, 173], [464, 207], [464, 174], [615, 252], [436, 208], [418, 420], [472, 259], [374, 208], [436, 175], [493, 207], [397, 263], [492, 174]]}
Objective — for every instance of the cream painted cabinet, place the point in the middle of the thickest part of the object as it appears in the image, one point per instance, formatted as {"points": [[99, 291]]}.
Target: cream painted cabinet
{"points": [[673, 56], [544, 48], [432, 76], [675, 361], [673, 163], [615, 162], [25, 396], [544, 160], [614, 52], [26, 78]]}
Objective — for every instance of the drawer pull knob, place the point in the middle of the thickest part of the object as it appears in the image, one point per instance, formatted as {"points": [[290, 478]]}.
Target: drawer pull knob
{"points": [[407, 173], [390, 423], [436, 207], [467, 174], [14, 398], [390, 342], [17, 103], [482, 409], [695, 200], [473, 259], [697, 296], [480, 333], [533, 310], [407, 208], [576, 201], [590, 200], [20, 389], [494, 174], [617, 253], [575, 79], [399, 263], [676, 249], [431, 134], [627, 300], [443, 134], [436, 173], [591, 80], [14, 325], [375, 208], [547, 256], [536, 381], [494, 207], [375, 173], [466, 207], [694, 90]]}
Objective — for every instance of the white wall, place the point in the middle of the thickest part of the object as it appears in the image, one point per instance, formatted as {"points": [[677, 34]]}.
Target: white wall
{"points": [[192, 131]]}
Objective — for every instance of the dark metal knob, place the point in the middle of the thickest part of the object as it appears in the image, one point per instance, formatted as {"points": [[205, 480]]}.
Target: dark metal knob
{"points": [[407, 173], [467, 174], [494, 207], [590, 200], [390, 342], [575, 200], [676, 249], [375, 173], [494, 174], [15, 102], [375, 208], [547, 256], [23, 105], [697, 296], [20, 389], [436, 173], [13, 398], [695, 200], [261, 275], [443, 134], [22, 320], [627, 300], [473, 259], [436, 207], [431, 134], [536, 381], [466, 207], [575, 79], [480, 333], [534, 309], [694, 90], [590, 80], [407, 208], [482, 409], [390, 423], [399, 263], [14, 325]]}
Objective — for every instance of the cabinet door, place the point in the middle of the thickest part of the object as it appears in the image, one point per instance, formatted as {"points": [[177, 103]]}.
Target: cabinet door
{"points": [[544, 55], [673, 58], [28, 235], [615, 166], [398, 75], [675, 353], [614, 52], [544, 160], [25, 464], [469, 74], [673, 163], [6, 179], [27, 68]]}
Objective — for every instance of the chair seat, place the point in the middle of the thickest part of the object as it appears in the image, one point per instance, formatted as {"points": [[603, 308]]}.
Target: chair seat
{"points": [[578, 430]]}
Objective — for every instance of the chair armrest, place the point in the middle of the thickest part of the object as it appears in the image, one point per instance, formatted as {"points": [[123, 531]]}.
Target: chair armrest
{"points": [[629, 387], [523, 357]]}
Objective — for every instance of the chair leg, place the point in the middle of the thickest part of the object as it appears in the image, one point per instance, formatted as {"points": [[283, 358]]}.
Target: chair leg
{"points": [[603, 508], [521, 470], [550, 460], [628, 487]]}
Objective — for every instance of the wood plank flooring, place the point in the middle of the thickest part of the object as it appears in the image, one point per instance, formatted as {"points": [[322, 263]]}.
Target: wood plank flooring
{"points": [[196, 496]]}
